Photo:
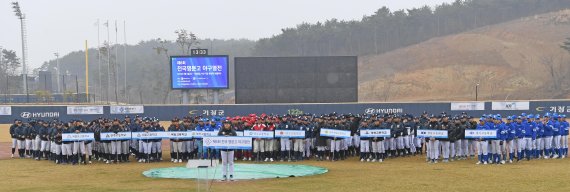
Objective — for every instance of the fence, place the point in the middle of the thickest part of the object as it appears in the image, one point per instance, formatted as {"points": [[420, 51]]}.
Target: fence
{"points": [[167, 112]]}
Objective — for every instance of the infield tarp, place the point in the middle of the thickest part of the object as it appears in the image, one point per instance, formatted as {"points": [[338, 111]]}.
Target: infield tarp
{"points": [[241, 172]]}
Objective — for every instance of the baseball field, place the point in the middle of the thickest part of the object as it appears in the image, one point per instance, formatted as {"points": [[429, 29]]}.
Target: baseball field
{"points": [[402, 174]]}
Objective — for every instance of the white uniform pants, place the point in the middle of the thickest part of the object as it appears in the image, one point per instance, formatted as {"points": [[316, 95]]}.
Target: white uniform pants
{"points": [[495, 149], [528, 143], [433, 149], [269, 145], [37, 143], [482, 147], [335, 145], [79, 147], [364, 146], [227, 162], [157, 146], [57, 149], [29, 144], [521, 144], [511, 145], [445, 149], [285, 144], [67, 149], [177, 147], [356, 140], [298, 146], [125, 147], [557, 141], [115, 147], [308, 145], [258, 145], [147, 147], [44, 146]]}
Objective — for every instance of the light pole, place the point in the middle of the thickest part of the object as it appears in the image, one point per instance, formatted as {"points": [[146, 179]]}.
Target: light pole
{"points": [[58, 70], [476, 91], [22, 18]]}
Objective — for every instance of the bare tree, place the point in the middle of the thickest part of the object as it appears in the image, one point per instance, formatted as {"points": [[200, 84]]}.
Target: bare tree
{"points": [[158, 88], [185, 41]]}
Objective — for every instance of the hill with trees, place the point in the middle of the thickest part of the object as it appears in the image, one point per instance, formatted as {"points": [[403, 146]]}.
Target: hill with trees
{"points": [[384, 42]]}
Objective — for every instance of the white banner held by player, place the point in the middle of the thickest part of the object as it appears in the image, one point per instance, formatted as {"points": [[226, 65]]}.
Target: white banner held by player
{"points": [[439, 134], [127, 109], [200, 134], [179, 135], [149, 135], [468, 106], [228, 142], [484, 134], [511, 106], [258, 134], [116, 136], [5, 110], [295, 134], [239, 133], [371, 133], [85, 110], [77, 137], [335, 133]]}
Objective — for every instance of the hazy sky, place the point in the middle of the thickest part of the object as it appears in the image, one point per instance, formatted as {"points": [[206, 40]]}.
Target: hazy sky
{"points": [[63, 25]]}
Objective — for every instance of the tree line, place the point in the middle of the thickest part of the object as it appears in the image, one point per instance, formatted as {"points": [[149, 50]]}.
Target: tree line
{"points": [[387, 30], [147, 62]]}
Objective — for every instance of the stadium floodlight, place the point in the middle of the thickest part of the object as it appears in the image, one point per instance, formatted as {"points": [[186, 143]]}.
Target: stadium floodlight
{"points": [[22, 17]]}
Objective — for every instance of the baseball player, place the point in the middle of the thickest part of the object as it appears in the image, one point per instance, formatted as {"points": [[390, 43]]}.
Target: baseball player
{"points": [[43, 133], [258, 143], [58, 143], [188, 147], [548, 134], [482, 148], [529, 137], [433, 144], [116, 145], [445, 142], [13, 135], [519, 137], [511, 133], [556, 131], [176, 143], [321, 140], [378, 149], [269, 142], [564, 126], [157, 143], [298, 145], [67, 147], [309, 139], [20, 133], [146, 143], [227, 154], [364, 142], [539, 137]]}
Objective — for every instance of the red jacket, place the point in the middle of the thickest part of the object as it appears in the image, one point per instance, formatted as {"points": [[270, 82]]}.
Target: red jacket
{"points": [[259, 127], [270, 127]]}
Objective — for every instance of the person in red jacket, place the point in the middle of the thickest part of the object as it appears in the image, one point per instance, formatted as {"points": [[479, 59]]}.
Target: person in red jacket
{"points": [[258, 144], [269, 143]]}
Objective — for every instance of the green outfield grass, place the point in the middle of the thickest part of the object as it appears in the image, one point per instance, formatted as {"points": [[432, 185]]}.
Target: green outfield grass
{"points": [[404, 174]]}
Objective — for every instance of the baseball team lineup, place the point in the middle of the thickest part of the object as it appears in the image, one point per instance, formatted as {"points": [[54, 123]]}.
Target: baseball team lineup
{"points": [[489, 139]]}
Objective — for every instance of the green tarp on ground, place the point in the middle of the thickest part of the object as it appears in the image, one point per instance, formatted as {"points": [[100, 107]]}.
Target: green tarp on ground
{"points": [[241, 171]]}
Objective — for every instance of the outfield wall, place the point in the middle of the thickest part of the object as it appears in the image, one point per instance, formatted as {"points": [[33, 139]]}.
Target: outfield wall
{"points": [[166, 112]]}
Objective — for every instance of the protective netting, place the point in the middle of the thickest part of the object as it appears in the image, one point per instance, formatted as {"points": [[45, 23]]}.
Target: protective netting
{"points": [[241, 171]]}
